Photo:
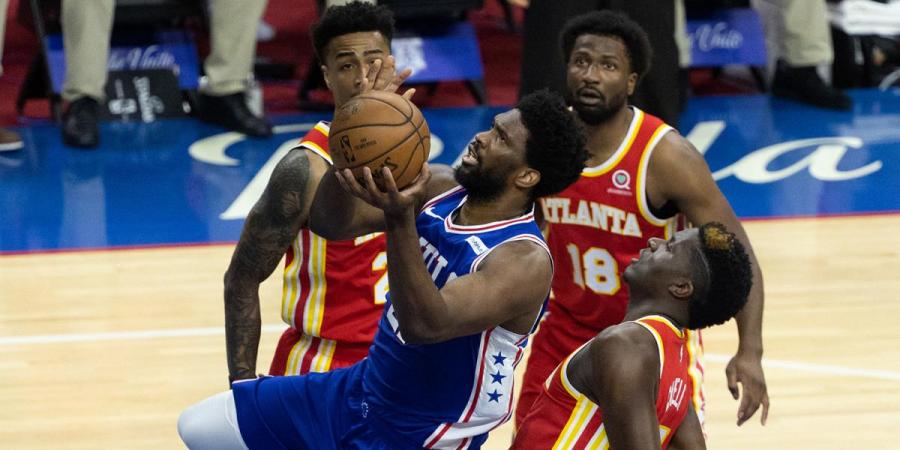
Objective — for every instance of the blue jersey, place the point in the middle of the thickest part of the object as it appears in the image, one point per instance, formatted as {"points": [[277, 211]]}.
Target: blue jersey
{"points": [[446, 395], [449, 394]]}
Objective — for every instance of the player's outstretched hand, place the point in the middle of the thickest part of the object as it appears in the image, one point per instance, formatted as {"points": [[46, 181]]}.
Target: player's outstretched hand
{"points": [[383, 76], [747, 370], [392, 201]]}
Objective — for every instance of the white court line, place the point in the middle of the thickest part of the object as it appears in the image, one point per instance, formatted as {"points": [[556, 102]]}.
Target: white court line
{"points": [[825, 369], [125, 335]]}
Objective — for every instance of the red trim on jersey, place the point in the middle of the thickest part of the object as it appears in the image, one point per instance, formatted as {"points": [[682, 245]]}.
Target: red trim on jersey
{"points": [[440, 197], [448, 224], [491, 226], [521, 237], [484, 346], [445, 428], [306, 363], [485, 340], [305, 286]]}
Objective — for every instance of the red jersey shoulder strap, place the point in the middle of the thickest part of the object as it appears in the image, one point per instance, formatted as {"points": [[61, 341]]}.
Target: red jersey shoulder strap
{"points": [[663, 330], [646, 136], [639, 162], [316, 140]]}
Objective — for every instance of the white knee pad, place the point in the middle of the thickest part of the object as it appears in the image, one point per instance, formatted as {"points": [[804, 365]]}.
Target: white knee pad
{"points": [[211, 424]]}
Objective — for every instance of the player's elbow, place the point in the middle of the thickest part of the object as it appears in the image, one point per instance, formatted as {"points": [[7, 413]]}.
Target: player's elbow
{"points": [[421, 333], [237, 283]]}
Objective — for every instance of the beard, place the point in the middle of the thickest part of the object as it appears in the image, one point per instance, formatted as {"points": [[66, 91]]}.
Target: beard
{"points": [[480, 184], [599, 113]]}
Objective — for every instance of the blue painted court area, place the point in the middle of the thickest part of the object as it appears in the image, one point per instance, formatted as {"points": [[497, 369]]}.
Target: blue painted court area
{"points": [[180, 181]]}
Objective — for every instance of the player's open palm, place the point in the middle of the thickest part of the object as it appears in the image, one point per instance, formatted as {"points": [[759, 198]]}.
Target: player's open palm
{"points": [[393, 201], [748, 371], [383, 76]]}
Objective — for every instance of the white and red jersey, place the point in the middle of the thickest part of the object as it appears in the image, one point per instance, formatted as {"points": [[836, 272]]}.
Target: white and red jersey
{"points": [[334, 291], [564, 418], [598, 224]]}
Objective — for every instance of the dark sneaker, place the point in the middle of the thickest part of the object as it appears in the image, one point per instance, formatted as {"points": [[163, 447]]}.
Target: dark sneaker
{"points": [[805, 85], [81, 123], [231, 111]]}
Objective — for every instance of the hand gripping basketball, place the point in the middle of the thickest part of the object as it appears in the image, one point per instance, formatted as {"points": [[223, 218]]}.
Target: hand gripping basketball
{"points": [[380, 129], [391, 200]]}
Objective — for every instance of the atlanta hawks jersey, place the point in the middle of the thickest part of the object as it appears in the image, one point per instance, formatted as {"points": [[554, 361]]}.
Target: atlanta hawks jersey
{"points": [[564, 418], [334, 290], [448, 394], [598, 224]]}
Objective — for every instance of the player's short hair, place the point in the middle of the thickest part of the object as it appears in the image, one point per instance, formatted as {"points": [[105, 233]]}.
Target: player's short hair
{"points": [[556, 143], [354, 17], [722, 277], [614, 24]]}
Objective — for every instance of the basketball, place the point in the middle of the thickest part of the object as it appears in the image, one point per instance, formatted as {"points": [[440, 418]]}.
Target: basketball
{"points": [[380, 129]]}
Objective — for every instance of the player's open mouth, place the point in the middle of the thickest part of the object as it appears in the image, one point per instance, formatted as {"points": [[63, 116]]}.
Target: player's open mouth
{"points": [[640, 255], [590, 97], [470, 158]]}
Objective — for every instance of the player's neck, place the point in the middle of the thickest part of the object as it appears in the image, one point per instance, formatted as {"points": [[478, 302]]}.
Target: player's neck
{"points": [[479, 212], [604, 138], [638, 309]]}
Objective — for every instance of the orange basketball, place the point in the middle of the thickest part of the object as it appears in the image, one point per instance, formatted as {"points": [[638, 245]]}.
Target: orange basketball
{"points": [[380, 129]]}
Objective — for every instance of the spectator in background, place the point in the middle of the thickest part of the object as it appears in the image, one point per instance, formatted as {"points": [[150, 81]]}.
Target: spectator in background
{"points": [[797, 33], [9, 140], [660, 92], [87, 26]]}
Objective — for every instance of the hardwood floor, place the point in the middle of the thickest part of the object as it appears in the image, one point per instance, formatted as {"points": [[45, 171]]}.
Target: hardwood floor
{"points": [[104, 349]]}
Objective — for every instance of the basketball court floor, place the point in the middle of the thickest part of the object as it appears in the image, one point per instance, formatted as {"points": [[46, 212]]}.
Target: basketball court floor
{"points": [[111, 264]]}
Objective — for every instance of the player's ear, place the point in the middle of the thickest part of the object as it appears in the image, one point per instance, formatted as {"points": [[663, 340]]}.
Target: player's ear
{"points": [[632, 82], [527, 178], [324, 70], [681, 288]]}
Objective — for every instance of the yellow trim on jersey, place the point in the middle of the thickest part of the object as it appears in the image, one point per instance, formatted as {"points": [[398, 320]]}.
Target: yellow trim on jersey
{"points": [[664, 320], [641, 188], [663, 432], [598, 441], [289, 286], [321, 127], [659, 344], [564, 378], [296, 355], [577, 422], [620, 152], [313, 147], [695, 353], [322, 361], [366, 238], [315, 302]]}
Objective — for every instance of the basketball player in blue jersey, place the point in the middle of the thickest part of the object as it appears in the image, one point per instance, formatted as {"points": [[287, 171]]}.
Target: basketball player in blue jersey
{"points": [[469, 274]]}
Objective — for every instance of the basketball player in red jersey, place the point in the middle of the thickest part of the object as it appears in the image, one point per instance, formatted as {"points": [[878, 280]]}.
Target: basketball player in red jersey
{"points": [[642, 179], [333, 290], [629, 388]]}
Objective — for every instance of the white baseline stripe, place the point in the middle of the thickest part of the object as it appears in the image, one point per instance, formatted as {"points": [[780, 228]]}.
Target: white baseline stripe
{"points": [[125, 335], [825, 369]]}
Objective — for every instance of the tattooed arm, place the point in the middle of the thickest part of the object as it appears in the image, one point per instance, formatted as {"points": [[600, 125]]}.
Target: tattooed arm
{"points": [[268, 231]]}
